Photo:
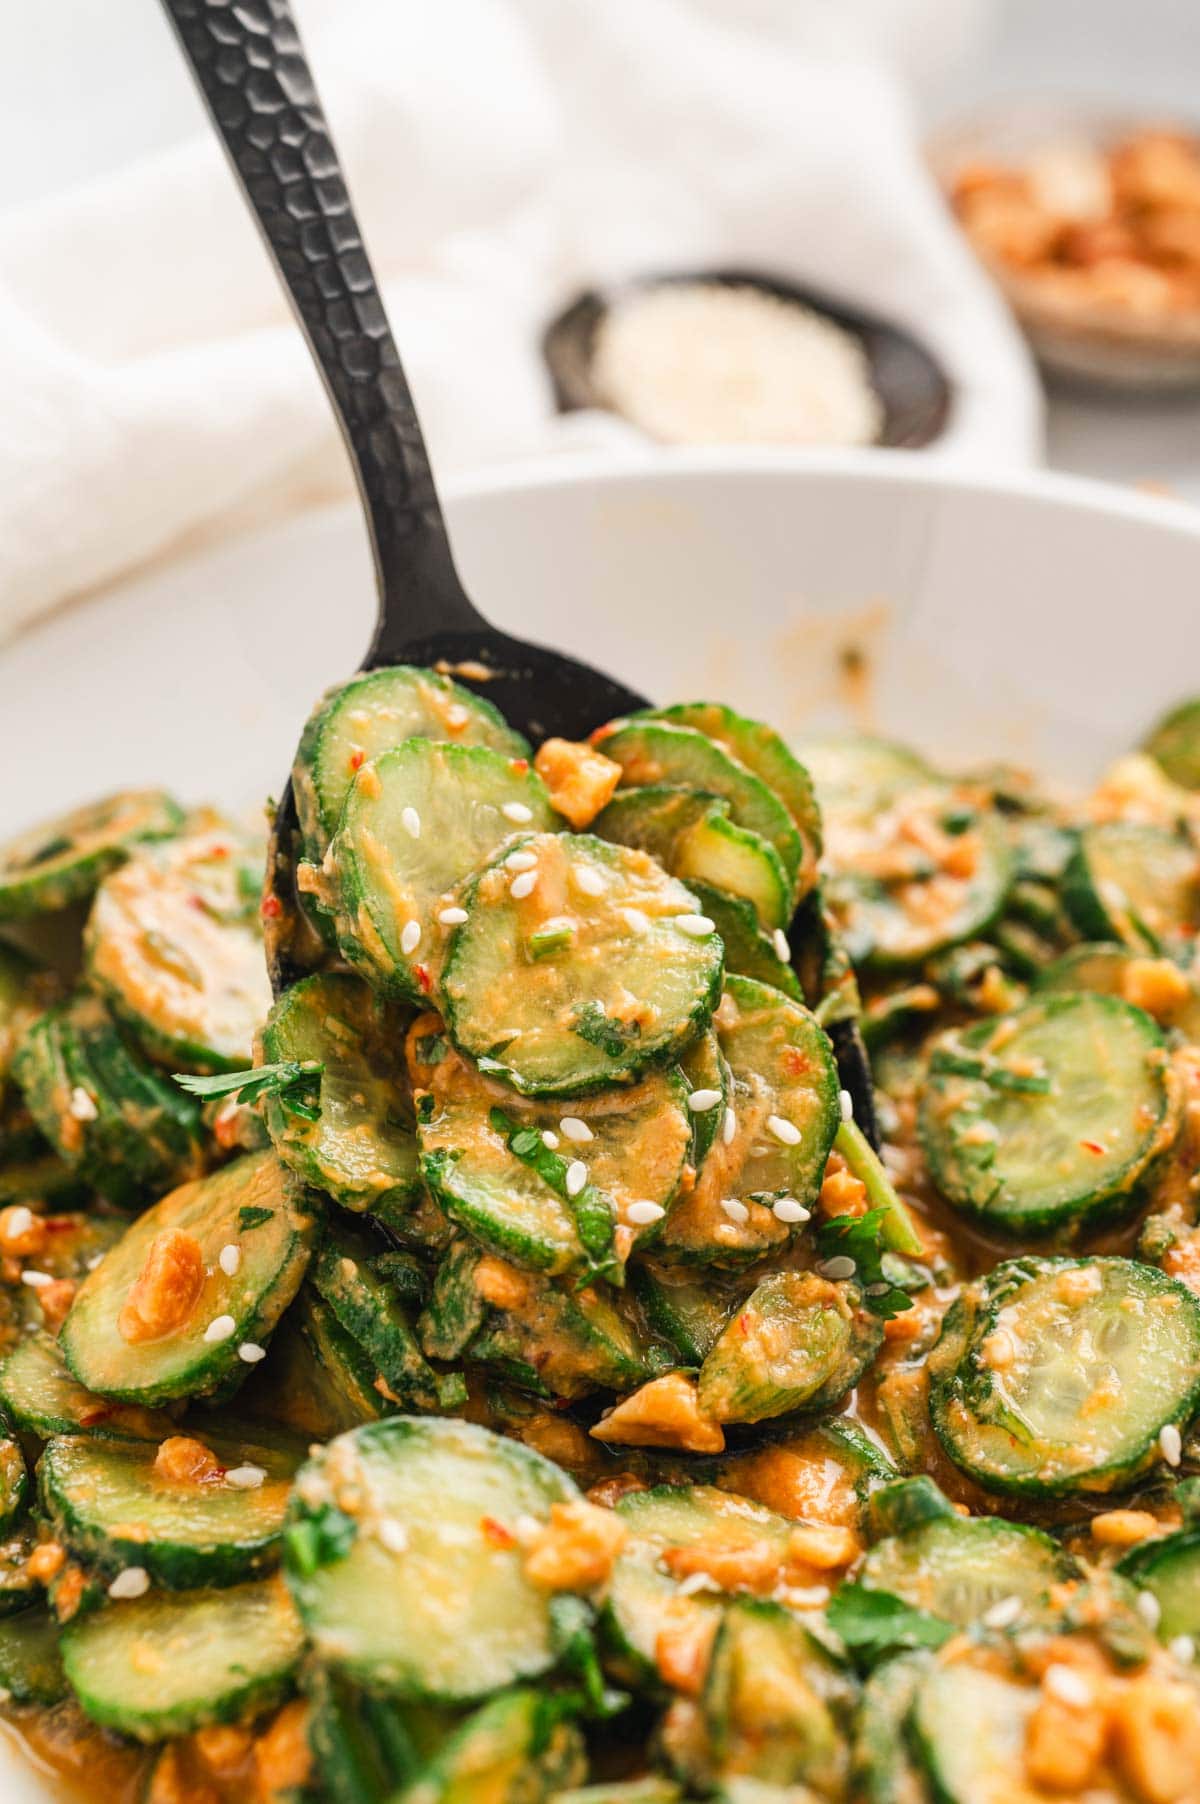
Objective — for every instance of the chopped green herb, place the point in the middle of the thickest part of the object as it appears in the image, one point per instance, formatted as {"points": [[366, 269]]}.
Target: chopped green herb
{"points": [[861, 1238], [876, 1624], [595, 1218], [296, 1083]]}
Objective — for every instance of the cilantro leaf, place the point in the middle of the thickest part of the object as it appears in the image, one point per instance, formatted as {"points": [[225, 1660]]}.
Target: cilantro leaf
{"points": [[874, 1624], [592, 1024], [860, 1238], [595, 1220], [296, 1083]]}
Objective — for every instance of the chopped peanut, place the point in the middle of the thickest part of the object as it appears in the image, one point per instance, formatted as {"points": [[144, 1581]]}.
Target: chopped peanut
{"points": [[165, 1291], [46, 1562], [182, 1461], [54, 1300], [841, 1192], [1063, 1745], [1124, 1528], [663, 1413], [580, 779], [752, 1565], [68, 1593], [1077, 1284], [821, 1545], [1157, 985], [169, 1784], [576, 1549], [22, 1233], [683, 1648], [222, 1748], [282, 1756], [500, 1284], [1154, 1734], [997, 1352]]}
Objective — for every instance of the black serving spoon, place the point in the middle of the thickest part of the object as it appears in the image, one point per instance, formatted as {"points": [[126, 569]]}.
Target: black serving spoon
{"points": [[252, 72]]}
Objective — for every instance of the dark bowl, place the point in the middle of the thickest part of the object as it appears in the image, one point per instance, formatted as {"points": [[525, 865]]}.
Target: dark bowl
{"points": [[912, 388]]}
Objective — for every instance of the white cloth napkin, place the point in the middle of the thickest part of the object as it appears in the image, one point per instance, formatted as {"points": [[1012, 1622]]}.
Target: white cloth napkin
{"points": [[502, 153]]}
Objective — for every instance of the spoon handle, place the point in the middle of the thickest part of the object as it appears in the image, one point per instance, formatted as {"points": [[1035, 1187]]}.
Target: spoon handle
{"points": [[251, 69]]}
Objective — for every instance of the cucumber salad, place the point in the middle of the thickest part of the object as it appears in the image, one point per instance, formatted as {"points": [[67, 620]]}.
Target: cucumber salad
{"points": [[694, 1293]]}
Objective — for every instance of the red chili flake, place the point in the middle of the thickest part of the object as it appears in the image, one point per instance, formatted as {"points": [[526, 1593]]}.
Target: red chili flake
{"points": [[794, 1062], [743, 1324], [1092, 1146], [356, 760], [218, 851], [519, 765], [88, 1418], [496, 1533], [423, 978], [271, 908]]}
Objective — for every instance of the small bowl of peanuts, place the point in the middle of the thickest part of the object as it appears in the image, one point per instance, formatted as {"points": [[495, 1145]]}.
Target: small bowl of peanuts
{"points": [[1091, 227]]}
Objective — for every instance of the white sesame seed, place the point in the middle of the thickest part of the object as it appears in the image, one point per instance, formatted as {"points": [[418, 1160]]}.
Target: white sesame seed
{"points": [[1067, 1685], [250, 1352], [635, 919], [521, 861], [735, 1210], [571, 1128], [1149, 1609], [392, 1534], [846, 1105], [780, 941], [697, 927], [1183, 1649], [220, 1328], [410, 939], [878, 1289], [1002, 1614], [784, 1130], [410, 820], [802, 1597], [133, 1582], [518, 812], [728, 1126], [841, 1266], [245, 1478], [576, 1177], [523, 886], [642, 1214], [19, 1222], [82, 1106], [36, 1280], [1170, 1443], [550, 1139], [696, 1581], [786, 1208], [590, 882], [452, 917], [95, 1260], [701, 1101], [230, 1260]]}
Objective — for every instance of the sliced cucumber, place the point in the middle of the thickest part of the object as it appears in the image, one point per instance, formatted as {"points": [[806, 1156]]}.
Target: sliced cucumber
{"points": [[31, 1671], [41, 1182], [784, 1074], [1175, 744], [776, 1702], [1135, 883], [390, 884], [365, 1748], [633, 1143], [117, 1506], [174, 944], [798, 1342], [1155, 984], [362, 1148], [1029, 1349], [17, 1588], [327, 1382], [690, 833], [859, 775], [651, 752], [366, 1308], [688, 1311], [366, 717], [749, 951], [14, 1483], [762, 751], [969, 1726], [564, 1343], [40, 1397], [709, 1086], [883, 1768], [455, 1311], [827, 1472], [518, 1748], [958, 1567], [253, 1206], [61, 861], [168, 1665], [456, 1569], [125, 1128], [24, 990], [630, 988], [1052, 1117]]}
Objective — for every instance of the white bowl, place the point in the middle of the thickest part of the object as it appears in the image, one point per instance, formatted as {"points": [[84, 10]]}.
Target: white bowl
{"points": [[1036, 618]]}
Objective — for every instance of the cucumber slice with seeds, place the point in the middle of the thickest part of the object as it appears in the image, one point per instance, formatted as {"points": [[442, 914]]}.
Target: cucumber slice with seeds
{"points": [[515, 1749], [1024, 1355], [958, 1567], [362, 1147], [689, 1312], [341, 1382], [883, 1767], [369, 715], [169, 1665], [1175, 744], [174, 944], [776, 1701], [125, 1128], [631, 990], [654, 752], [798, 1342], [116, 1506], [31, 1670], [692, 836], [1155, 984], [40, 1397], [857, 774], [1168, 1566], [969, 1726], [1053, 1117], [389, 884], [365, 1748], [366, 1308], [783, 1073], [61, 861], [1135, 883], [558, 1343], [253, 1205], [457, 1570]]}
